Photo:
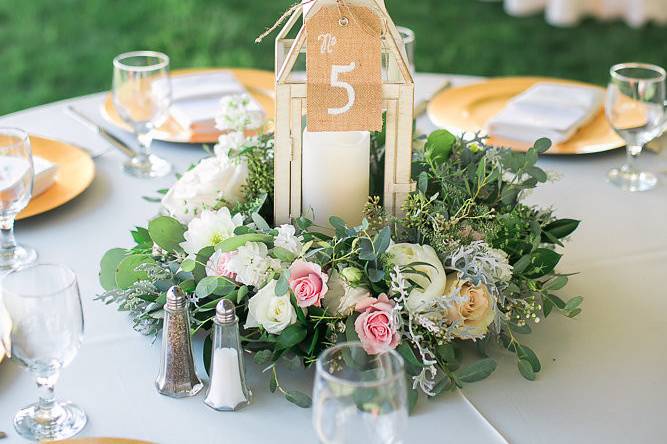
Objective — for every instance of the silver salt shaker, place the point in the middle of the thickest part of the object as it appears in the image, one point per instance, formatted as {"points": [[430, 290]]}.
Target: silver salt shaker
{"points": [[177, 377], [228, 390]]}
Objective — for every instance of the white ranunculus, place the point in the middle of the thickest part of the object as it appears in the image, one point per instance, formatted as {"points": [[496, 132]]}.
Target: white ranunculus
{"points": [[286, 239], [252, 264], [212, 180], [209, 229], [273, 313], [429, 288], [341, 298]]}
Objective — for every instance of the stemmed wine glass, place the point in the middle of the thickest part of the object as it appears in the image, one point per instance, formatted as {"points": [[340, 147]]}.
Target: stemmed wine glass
{"points": [[142, 96], [359, 398], [635, 109], [16, 180], [44, 306]]}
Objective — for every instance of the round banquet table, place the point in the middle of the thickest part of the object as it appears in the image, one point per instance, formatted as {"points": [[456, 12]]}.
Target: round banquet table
{"points": [[603, 372]]}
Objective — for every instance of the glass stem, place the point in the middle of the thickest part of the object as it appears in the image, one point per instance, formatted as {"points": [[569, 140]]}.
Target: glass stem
{"points": [[631, 154], [47, 400], [7, 241], [145, 140]]}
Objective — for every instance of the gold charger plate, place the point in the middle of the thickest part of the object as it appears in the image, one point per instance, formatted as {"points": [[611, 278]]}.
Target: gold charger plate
{"points": [[260, 84], [76, 172], [468, 108]]}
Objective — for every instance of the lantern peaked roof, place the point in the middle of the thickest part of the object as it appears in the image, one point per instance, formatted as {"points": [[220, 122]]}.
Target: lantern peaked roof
{"points": [[391, 38]]}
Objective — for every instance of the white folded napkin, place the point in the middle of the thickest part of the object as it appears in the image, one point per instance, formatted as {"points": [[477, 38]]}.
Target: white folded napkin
{"points": [[196, 98], [12, 170], [548, 110], [45, 175]]}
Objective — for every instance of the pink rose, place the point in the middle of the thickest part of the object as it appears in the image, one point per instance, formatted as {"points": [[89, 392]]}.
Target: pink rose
{"points": [[308, 283], [217, 265], [375, 326]]}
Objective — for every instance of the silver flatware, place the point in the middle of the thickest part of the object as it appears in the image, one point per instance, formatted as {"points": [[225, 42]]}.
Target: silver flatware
{"points": [[420, 107], [106, 135]]}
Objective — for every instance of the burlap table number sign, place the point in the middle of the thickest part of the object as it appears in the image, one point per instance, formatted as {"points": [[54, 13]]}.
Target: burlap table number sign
{"points": [[343, 64]]}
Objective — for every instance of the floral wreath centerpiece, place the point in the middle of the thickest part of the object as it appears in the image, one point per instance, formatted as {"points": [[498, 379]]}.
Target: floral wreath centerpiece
{"points": [[462, 264]]}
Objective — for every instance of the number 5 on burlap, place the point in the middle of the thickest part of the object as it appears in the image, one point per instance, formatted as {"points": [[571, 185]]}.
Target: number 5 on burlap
{"points": [[337, 83]]}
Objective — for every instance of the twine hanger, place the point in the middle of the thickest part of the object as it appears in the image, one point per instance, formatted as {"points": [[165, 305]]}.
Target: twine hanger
{"points": [[343, 20]]}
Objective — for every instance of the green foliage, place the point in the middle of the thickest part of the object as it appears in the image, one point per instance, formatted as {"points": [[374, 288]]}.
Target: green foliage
{"points": [[167, 233]]}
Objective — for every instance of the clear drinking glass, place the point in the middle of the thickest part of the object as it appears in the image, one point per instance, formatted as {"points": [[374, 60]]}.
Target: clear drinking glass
{"points": [[16, 180], [359, 398], [408, 36], [635, 109], [142, 96], [44, 306]]}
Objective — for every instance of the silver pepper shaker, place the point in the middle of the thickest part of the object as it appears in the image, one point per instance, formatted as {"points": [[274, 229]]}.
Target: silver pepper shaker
{"points": [[177, 377], [228, 390]]}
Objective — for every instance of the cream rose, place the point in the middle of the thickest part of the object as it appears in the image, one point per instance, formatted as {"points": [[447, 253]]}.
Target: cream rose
{"points": [[421, 299], [473, 308], [273, 313], [342, 298]]}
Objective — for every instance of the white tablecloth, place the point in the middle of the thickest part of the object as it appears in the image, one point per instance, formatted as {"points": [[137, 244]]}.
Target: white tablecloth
{"points": [[568, 12], [602, 377]]}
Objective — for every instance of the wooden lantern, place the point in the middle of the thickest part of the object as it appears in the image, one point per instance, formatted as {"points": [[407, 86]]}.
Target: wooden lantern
{"points": [[398, 103]]}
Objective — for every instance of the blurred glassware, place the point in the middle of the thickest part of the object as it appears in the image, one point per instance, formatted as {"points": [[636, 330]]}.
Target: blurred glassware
{"points": [[359, 398], [16, 181], [408, 36], [635, 109], [44, 305], [142, 96]]}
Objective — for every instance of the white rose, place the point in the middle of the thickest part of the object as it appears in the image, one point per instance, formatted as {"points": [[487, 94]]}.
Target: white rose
{"points": [[429, 287], [273, 313], [209, 229], [286, 239], [213, 179], [342, 298]]}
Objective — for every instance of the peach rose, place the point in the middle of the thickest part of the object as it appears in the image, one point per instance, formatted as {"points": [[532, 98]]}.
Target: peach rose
{"points": [[474, 308], [308, 283], [375, 326]]}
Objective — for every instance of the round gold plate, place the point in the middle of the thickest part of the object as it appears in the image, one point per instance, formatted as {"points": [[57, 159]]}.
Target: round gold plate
{"points": [[76, 172], [260, 84], [468, 109]]}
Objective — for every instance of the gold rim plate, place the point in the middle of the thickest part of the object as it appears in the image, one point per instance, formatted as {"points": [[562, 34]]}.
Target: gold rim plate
{"points": [[259, 83], [76, 172], [468, 108]]}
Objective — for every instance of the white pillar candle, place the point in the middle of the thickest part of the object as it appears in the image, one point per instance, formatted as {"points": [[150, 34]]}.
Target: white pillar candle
{"points": [[226, 390], [335, 175]]}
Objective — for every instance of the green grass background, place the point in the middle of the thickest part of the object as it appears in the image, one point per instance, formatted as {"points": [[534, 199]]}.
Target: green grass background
{"points": [[53, 49]]}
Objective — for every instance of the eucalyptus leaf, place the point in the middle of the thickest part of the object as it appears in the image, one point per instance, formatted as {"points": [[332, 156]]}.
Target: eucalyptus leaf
{"points": [[127, 273], [439, 146], [542, 145], [262, 357], [382, 241], [260, 222], [108, 266], [167, 233], [477, 370], [291, 336], [525, 352], [235, 242], [526, 369], [298, 398]]}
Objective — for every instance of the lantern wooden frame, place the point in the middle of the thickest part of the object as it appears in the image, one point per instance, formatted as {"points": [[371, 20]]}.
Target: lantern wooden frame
{"points": [[398, 101]]}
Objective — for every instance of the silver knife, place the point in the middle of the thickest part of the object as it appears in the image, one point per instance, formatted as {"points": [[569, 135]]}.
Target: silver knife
{"points": [[106, 135]]}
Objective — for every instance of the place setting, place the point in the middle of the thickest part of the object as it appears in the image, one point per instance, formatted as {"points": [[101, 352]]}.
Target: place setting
{"points": [[319, 235]]}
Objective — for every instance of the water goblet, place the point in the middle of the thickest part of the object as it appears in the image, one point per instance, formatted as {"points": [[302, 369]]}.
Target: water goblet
{"points": [[16, 181], [359, 398], [142, 96], [635, 110], [44, 306]]}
